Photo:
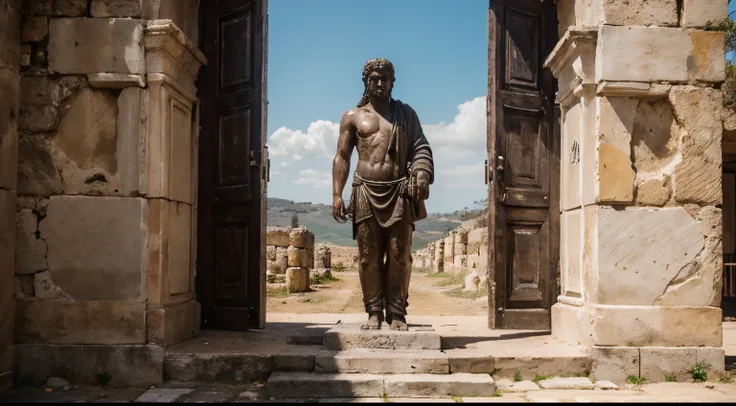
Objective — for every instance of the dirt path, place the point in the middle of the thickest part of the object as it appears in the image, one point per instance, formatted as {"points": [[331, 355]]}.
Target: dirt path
{"points": [[345, 296]]}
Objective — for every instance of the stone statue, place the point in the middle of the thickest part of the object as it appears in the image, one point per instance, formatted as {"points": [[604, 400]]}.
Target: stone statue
{"points": [[390, 184]]}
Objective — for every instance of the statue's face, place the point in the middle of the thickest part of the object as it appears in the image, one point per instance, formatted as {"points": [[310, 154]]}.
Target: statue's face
{"points": [[380, 83]]}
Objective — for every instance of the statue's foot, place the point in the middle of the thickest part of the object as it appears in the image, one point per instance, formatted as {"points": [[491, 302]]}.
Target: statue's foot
{"points": [[398, 322], [374, 321]]}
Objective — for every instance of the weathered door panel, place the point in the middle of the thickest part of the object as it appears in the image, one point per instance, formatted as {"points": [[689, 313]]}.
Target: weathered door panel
{"points": [[231, 241], [523, 164]]}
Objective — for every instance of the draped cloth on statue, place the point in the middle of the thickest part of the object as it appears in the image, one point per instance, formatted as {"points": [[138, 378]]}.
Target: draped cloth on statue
{"points": [[389, 201]]}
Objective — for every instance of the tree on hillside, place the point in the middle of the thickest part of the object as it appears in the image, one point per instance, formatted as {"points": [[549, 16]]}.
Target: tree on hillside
{"points": [[729, 86], [294, 221]]}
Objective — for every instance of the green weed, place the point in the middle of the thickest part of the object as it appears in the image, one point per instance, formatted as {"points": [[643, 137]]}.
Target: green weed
{"points": [[636, 380], [699, 371], [539, 378]]}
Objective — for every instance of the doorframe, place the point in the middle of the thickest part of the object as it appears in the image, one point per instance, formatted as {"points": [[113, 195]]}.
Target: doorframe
{"points": [[554, 213]]}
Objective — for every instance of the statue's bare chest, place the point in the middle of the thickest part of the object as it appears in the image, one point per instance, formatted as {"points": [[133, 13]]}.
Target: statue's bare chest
{"points": [[370, 123]]}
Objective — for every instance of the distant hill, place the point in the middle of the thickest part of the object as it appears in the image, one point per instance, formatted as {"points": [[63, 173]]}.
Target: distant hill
{"points": [[318, 219]]}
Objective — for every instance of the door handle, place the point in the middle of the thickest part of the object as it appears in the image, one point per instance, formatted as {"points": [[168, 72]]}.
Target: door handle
{"points": [[498, 177], [485, 172]]}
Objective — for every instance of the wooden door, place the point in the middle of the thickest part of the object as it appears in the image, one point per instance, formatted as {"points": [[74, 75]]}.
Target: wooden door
{"points": [[231, 276], [523, 164]]}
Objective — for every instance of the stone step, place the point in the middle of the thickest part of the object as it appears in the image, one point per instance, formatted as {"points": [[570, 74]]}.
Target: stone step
{"points": [[347, 336], [428, 385], [313, 385], [360, 360]]}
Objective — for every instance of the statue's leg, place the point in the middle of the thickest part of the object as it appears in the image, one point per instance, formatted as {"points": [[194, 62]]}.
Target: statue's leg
{"points": [[370, 263], [399, 274]]}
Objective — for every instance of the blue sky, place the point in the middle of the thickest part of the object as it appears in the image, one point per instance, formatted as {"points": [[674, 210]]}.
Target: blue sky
{"points": [[317, 49]]}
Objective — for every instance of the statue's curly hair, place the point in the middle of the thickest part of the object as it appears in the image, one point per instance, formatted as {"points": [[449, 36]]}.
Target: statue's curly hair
{"points": [[371, 65]]}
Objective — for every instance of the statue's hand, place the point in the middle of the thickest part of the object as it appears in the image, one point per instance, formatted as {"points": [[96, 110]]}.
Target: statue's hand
{"points": [[338, 210], [422, 185]]}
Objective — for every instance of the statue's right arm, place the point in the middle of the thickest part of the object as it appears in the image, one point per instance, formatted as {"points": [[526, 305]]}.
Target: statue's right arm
{"points": [[341, 162]]}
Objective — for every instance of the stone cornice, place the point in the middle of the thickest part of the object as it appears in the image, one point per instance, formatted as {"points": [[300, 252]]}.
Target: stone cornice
{"points": [[165, 36], [568, 47], [632, 89]]}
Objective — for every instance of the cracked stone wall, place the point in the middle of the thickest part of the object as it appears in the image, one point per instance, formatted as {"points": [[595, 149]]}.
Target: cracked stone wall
{"points": [[81, 213], [463, 249], [103, 238], [641, 255], [10, 18]]}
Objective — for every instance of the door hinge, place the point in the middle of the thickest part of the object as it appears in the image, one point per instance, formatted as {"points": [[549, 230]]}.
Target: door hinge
{"points": [[266, 174]]}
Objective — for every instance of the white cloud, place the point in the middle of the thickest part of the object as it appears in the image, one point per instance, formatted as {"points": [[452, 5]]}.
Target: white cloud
{"points": [[463, 176], [319, 140], [467, 132], [315, 178]]}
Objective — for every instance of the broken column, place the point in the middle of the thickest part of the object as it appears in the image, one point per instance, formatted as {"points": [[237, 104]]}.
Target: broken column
{"points": [[461, 249], [641, 185], [290, 252], [439, 257], [323, 258], [301, 242]]}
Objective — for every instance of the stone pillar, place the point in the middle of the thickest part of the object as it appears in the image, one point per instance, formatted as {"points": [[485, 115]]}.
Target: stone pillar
{"points": [[9, 111], [640, 182], [172, 63], [440, 256], [462, 251], [300, 259]]}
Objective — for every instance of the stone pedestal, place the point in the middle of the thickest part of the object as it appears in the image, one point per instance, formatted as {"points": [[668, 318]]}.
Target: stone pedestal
{"points": [[348, 336], [640, 188]]}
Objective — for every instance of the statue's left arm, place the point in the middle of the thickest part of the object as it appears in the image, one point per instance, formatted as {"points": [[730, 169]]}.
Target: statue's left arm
{"points": [[422, 162]]}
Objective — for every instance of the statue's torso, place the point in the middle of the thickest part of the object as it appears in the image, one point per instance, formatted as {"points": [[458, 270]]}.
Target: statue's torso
{"points": [[373, 135]]}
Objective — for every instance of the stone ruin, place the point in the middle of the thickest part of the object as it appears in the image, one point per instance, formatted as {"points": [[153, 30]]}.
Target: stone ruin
{"points": [[322, 260], [290, 258], [460, 250]]}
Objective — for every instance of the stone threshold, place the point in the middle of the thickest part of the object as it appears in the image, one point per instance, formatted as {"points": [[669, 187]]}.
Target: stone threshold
{"points": [[463, 345], [293, 343]]}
